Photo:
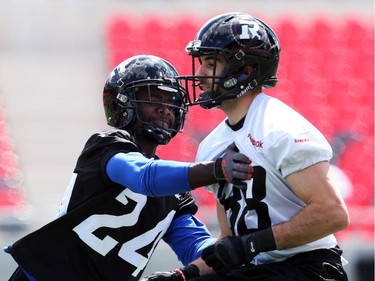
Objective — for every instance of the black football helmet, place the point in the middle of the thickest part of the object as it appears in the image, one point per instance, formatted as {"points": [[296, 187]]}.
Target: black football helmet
{"points": [[120, 94], [242, 40]]}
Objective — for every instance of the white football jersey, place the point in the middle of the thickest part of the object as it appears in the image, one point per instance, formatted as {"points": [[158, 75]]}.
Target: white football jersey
{"points": [[279, 141]]}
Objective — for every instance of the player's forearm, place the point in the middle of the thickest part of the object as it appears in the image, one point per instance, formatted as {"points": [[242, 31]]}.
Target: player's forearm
{"points": [[325, 211], [158, 177], [312, 223], [147, 176], [201, 174]]}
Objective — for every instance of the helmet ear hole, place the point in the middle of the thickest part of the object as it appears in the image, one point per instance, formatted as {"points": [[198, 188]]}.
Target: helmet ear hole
{"points": [[248, 69]]}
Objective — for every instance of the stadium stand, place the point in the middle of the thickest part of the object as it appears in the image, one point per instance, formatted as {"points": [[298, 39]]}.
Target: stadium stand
{"points": [[325, 73], [14, 208]]}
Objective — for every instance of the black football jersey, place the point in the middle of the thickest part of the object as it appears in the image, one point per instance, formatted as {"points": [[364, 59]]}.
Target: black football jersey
{"points": [[104, 231]]}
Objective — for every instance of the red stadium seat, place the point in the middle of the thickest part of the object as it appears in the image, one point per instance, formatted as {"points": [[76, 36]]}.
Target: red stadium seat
{"points": [[14, 209]]}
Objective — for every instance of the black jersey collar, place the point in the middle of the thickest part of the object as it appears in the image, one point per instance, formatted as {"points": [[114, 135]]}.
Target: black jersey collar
{"points": [[236, 126]]}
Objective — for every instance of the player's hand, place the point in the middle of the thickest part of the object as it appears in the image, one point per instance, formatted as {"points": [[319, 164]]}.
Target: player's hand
{"points": [[164, 276], [228, 253], [233, 251], [234, 167]]}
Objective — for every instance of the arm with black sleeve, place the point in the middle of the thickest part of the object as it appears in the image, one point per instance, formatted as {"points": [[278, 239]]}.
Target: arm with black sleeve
{"points": [[155, 177]]}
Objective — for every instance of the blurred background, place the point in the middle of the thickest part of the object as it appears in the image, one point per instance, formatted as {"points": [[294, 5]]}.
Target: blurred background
{"points": [[56, 55]]}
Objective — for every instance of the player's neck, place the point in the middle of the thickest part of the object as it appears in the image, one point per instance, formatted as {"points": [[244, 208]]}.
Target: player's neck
{"points": [[147, 147], [236, 109]]}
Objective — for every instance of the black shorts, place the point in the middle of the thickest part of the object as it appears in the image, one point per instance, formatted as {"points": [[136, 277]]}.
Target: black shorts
{"points": [[324, 264]]}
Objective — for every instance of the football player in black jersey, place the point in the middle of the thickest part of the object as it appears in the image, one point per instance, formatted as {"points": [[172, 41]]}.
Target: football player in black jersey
{"points": [[107, 228]]}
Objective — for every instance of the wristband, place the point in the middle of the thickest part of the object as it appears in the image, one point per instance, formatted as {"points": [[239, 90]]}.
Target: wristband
{"points": [[264, 240], [190, 271]]}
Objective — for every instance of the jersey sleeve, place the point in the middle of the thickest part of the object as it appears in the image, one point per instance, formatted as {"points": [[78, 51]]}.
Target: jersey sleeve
{"points": [[294, 152], [150, 177], [187, 236]]}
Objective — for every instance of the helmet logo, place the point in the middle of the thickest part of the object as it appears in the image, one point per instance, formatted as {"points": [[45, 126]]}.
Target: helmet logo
{"points": [[249, 31]]}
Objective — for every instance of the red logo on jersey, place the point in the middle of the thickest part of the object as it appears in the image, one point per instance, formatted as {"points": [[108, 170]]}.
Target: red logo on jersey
{"points": [[255, 142], [301, 140]]}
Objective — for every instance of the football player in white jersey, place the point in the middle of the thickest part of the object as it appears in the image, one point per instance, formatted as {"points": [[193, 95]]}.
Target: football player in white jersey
{"points": [[280, 224]]}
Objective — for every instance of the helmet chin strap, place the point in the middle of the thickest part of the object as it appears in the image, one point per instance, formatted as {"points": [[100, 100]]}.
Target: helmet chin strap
{"points": [[226, 95], [157, 134], [152, 131]]}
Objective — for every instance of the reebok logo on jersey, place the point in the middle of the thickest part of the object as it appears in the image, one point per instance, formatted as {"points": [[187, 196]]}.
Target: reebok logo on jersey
{"points": [[301, 140], [255, 142]]}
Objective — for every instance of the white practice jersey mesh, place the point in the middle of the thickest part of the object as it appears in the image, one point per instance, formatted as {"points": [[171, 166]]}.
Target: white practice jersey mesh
{"points": [[279, 141]]}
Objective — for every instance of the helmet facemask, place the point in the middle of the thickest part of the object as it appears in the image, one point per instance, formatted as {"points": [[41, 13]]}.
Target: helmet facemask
{"points": [[147, 74], [132, 109], [227, 84]]}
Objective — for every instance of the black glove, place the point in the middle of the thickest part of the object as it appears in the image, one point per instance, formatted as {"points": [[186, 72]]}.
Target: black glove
{"points": [[183, 274], [233, 167], [233, 251]]}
